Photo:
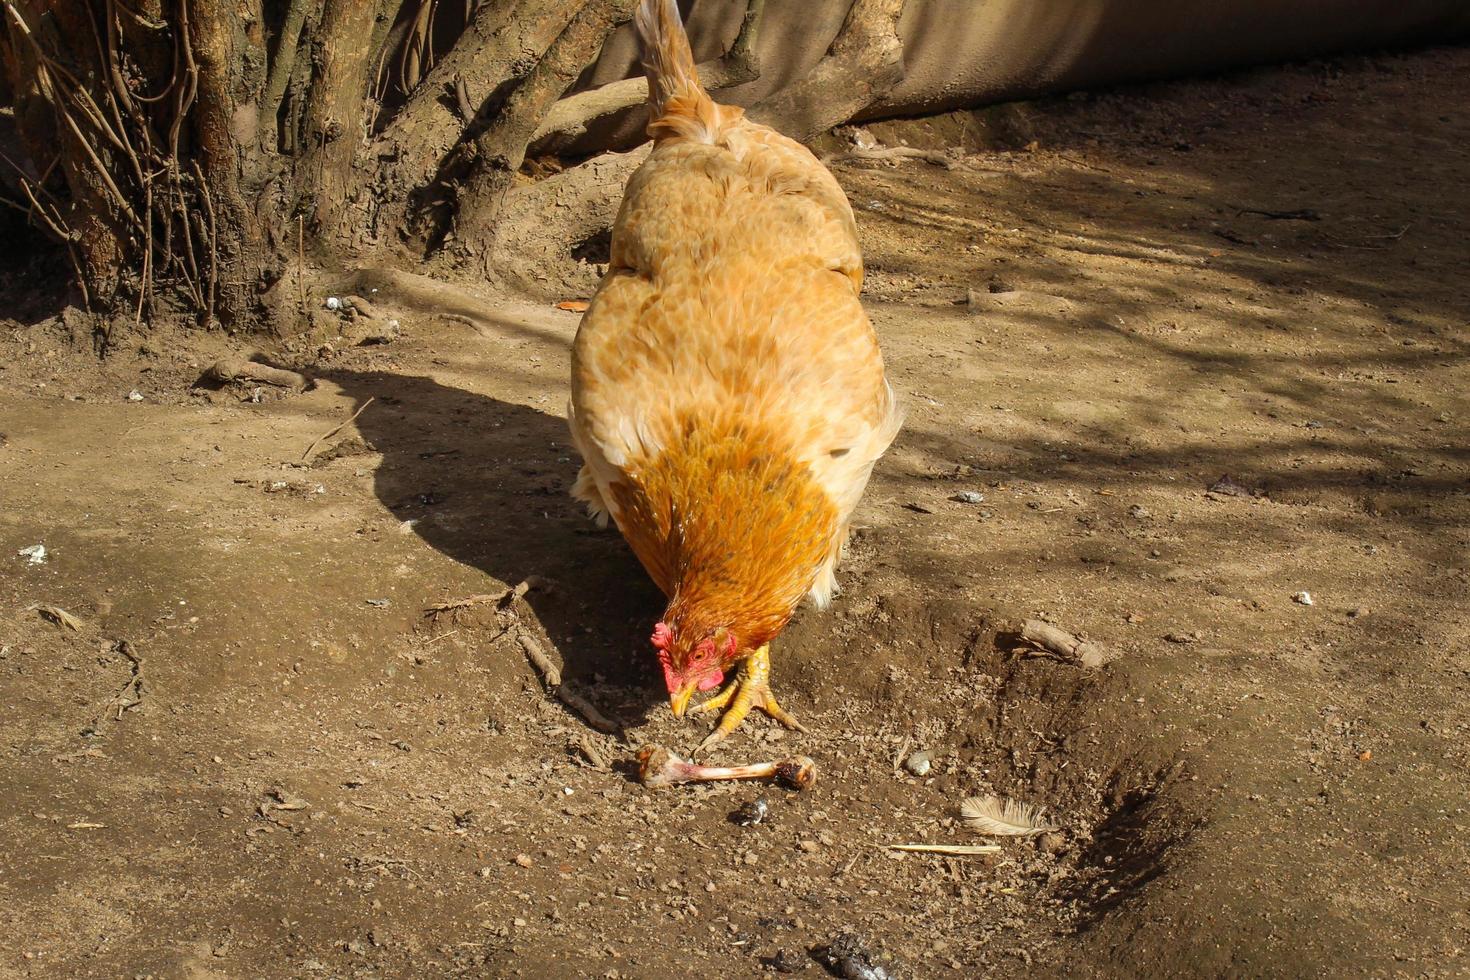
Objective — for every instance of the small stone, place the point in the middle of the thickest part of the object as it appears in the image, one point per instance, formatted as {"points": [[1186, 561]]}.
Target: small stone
{"points": [[1366, 755], [919, 763], [787, 962], [751, 813], [485, 872], [333, 303], [1302, 598], [524, 860], [1052, 843], [1139, 512], [808, 845], [518, 923], [135, 395], [968, 497]]}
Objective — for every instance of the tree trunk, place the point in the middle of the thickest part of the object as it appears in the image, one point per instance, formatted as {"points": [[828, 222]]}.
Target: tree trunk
{"points": [[335, 113], [501, 148], [217, 51], [863, 64], [190, 164], [503, 43]]}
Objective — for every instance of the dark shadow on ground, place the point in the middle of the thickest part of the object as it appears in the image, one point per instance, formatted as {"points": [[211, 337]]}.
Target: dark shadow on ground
{"points": [[486, 483]]}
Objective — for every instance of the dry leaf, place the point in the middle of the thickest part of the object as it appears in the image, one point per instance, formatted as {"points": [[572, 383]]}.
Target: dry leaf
{"points": [[1000, 817], [60, 617], [573, 305]]}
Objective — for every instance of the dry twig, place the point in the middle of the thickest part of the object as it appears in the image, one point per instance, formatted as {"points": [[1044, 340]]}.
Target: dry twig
{"points": [[1058, 641], [59, 616], [327, 435], [952, 850]]}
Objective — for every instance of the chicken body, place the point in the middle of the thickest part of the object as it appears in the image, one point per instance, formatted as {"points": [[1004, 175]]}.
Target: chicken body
{"points": [[728, 393]]}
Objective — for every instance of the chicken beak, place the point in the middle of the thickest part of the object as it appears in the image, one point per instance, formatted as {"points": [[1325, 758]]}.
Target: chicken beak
{"points": [[679, 700]]}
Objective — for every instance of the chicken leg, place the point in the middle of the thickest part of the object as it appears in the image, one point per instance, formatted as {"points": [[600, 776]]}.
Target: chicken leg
{"points": [[751, 688]]}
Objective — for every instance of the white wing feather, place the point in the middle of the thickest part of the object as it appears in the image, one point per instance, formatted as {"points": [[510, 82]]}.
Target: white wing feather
{"points": [[1001, 817]]}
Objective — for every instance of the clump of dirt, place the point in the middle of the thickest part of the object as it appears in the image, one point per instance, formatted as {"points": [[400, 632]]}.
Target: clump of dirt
{"points": [[272, 740]]}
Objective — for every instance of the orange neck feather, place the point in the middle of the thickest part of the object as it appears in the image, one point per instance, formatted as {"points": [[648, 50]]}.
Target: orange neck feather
{"points": [[730, 525]]}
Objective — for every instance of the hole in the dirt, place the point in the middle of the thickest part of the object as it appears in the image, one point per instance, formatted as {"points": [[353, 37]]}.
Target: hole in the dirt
{"points": [[594, 249], [1078, 743], [1129, 849]]}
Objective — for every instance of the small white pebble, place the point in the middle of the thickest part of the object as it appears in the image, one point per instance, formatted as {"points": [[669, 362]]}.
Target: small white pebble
{"points": [[135, 395], [333, 303], [1304, 598]]}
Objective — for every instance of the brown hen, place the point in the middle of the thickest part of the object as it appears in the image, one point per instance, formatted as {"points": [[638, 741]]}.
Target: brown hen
{"points": [[728, 394]]}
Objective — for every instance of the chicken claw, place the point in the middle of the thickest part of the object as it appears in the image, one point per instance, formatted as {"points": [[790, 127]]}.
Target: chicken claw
{"points": [[751, 688]]}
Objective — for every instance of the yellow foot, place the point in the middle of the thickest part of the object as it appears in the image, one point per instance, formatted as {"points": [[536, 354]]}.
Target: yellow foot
{"points": [[751, 688]]}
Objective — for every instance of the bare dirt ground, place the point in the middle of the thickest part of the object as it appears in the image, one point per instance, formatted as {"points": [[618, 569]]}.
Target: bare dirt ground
{"points": [[288, 769]]}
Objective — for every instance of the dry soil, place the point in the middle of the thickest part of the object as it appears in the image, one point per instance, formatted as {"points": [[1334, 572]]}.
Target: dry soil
{"points": [[254, 754]]}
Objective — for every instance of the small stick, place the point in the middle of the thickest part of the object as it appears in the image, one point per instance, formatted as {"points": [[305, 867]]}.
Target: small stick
{"points": [[1064, 644], [1298, 214], [593, 753], [588, 711], [322, 438], [954, 850], [550, 672], [658, 768], [237, 368], [59, 616], [503, 600], [551, 678]]}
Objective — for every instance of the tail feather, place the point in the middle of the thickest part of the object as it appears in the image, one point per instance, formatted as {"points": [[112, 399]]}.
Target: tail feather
{"points": [[680, 105]]}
